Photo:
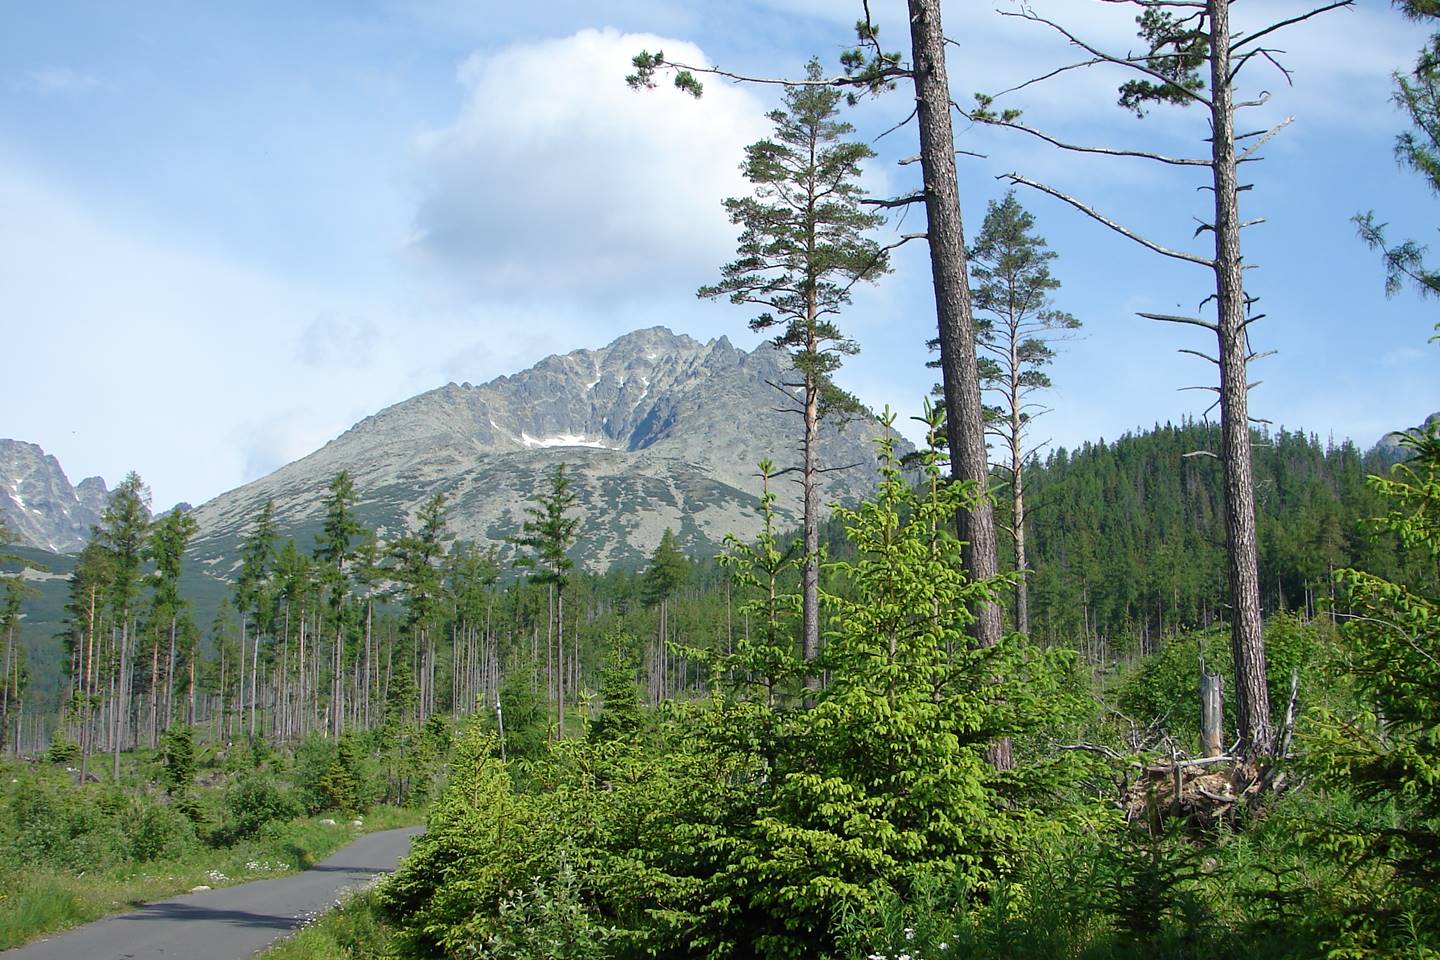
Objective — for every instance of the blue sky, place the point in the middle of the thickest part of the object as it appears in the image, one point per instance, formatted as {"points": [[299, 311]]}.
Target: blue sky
{"points": [[229, 231]]}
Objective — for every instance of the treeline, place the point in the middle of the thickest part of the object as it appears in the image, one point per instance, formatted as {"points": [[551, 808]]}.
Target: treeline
{"points": [[353, 632], [1125, 543], [1127, 539]]}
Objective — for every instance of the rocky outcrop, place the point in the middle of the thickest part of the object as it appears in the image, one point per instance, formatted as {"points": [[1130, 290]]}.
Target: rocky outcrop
{"points": [[37, 503]]}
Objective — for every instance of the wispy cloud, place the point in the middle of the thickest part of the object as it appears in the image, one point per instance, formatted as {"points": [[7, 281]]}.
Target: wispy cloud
{"points": [[59, 81]]}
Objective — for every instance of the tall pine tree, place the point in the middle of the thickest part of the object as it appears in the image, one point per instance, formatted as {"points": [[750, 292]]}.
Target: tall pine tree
{"points": [[802, 248]]}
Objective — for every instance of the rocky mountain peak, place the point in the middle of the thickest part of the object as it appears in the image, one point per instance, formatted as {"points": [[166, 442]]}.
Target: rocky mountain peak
{"points": [[659, 429], [38, 504]]}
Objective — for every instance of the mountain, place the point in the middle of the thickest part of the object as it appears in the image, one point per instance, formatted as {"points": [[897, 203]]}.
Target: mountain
{"points": [[658, 430], [1389, 445], [38, 504]]}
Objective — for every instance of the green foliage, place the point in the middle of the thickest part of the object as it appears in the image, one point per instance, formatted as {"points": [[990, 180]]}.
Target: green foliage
{"points": [[47, 821], [621, 712], [667, 572], [647, 63], [1126, 536], [178, 758], [121, 534], [756, 819], [1163, 690], [1179, 50], [418, 558], [1388, 750], [62, 750], [159, 832], [253, 801], [548, 533], [354, 930], [802, 245], [335, 775], [526, 719], [1016, 319], [1417, 92]]}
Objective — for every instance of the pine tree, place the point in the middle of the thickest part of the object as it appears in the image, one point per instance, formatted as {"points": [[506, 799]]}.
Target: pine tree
{"points": [[169, 537], [257, 554], [667, 571], [548, 532], [1016, 327], [334, 550], [122, 531], [417, 558], [801, 251]]}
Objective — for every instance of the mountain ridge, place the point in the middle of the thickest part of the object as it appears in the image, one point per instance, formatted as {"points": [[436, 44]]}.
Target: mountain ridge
{"points": [[659, 429], [38, 504]]}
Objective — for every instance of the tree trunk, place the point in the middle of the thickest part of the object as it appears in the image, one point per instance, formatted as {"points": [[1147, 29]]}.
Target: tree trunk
{"points": [[964, 416], [1212, 712], [119, 707], [1252, 704], [560, 652], [1017, 485]]}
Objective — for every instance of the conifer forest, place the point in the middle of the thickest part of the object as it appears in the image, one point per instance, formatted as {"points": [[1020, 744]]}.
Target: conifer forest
{"points": [[1174, 694]]}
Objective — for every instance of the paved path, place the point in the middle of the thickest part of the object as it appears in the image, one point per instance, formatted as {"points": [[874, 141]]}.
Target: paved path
{"points": [[227, 924]]}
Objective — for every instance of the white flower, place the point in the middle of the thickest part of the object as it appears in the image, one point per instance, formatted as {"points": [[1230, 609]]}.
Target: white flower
{"points": [[909, 933]]}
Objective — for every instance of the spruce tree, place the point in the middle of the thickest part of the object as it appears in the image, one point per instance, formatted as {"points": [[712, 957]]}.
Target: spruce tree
{"points": [[418, 558], [169, 536], [257, 554], [122, 531], [802, 248], [547, 533], [335, 550], [667, 571]]}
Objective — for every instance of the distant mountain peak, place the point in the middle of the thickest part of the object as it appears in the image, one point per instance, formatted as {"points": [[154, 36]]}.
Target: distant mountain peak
{"points": [[660, 430], [38, 504]]}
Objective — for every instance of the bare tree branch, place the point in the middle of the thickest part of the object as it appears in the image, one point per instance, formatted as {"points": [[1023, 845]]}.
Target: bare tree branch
{"points": [[1265, 138], [1107, 151], [1101, 218], [1171, 318], [1139, 66], [1282, 24]]}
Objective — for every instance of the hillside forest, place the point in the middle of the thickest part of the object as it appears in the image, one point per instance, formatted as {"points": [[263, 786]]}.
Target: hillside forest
{"points": [[1175, 694]]}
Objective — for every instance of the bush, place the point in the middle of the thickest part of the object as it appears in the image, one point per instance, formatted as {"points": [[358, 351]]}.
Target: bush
{"points": [[62, 750], [252, 802], [335, 775], [158, 832]]}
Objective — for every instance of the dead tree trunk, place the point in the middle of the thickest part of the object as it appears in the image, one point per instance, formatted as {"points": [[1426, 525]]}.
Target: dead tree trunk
{"points": [[1252, 702]]}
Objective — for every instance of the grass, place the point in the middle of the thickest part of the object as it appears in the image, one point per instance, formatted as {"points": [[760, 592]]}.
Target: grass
{"points": [[37, 901], [353, 931]]}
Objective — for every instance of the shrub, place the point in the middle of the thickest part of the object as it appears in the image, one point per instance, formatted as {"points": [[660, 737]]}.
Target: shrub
{"points": [[158, 832], [252, 802], [62, 750]]}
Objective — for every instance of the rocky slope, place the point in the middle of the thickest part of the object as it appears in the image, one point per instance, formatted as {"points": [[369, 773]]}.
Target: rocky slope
{"points": [[38, 504], [658, 429], [1389, 444]]}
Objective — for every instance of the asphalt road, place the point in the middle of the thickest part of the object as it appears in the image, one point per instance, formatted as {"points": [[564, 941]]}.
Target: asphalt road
{"points": [[231, 923]]}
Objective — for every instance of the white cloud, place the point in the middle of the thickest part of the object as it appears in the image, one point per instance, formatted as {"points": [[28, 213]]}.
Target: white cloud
{"points": [[557, 182]]}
